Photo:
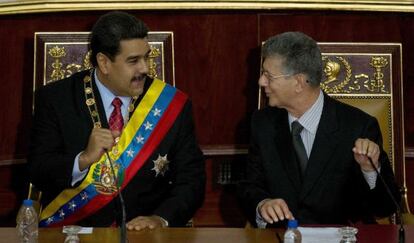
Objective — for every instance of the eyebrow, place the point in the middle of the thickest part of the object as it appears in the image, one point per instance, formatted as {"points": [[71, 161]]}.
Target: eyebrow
{"points": [[138, 56]]}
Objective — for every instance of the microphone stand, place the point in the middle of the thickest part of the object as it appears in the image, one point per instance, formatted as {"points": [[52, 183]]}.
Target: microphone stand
{"points": [[121, 200], [401, 231]]}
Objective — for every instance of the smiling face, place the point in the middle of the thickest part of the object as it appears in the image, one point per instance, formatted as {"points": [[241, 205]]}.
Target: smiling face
{"points": [[126, 74], [278, 86]]}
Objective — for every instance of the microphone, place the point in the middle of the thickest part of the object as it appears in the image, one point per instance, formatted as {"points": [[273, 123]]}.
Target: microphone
{"points": [[401, 231], [121, 200]]}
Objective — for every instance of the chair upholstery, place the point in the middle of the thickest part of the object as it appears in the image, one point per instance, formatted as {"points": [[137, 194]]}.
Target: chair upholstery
{"points": [[369, 76]]}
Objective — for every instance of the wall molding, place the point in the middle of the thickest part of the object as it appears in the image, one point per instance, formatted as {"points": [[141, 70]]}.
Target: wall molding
{"points": [[35, 6]]}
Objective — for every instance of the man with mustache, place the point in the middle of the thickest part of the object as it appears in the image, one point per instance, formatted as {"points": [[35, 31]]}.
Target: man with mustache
{"points": [[113, 127]]}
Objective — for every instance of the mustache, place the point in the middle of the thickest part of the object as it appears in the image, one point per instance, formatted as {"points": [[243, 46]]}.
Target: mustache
{"points": [[141, 77]]}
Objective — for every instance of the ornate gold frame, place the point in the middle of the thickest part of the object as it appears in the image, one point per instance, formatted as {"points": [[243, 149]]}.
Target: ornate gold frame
{"points": [[36, 6], [51, 59]]}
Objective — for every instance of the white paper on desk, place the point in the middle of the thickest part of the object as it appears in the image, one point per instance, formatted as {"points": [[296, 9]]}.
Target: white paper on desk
{"points": [[83, 230], [320, 234]]}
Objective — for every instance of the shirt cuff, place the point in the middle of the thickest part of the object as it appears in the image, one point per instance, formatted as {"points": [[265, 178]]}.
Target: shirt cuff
{"points": [[78, 175], [371, 177], [261, 223]]}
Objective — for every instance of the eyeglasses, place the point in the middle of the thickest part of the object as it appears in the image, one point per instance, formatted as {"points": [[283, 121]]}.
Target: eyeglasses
{"points": [[272, 77]]}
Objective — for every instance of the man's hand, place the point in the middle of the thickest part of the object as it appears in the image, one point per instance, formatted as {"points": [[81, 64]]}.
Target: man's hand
{"points": [[273, 210], [99, 140], [142, 222], [365, 149]]}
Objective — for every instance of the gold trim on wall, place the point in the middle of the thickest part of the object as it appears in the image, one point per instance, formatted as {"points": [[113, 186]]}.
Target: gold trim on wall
{"points": [[36, 6]]}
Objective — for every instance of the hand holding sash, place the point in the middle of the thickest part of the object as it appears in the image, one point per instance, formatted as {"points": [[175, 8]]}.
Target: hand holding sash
{"points": [[101, 139]]}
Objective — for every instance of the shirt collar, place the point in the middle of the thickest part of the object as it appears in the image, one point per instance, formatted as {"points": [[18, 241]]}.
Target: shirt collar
{"points": [[107, 96], [310, 119]]}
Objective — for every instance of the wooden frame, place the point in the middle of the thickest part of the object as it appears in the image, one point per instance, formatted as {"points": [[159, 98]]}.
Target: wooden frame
{"points": [[60, 54]]}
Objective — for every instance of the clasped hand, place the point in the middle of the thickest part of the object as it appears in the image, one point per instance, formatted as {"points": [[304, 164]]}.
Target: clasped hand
{"points": [[101, 139], [364, 149]]}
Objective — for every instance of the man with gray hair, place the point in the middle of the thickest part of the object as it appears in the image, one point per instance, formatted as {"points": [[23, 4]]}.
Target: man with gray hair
{"points": [[309, 154]]}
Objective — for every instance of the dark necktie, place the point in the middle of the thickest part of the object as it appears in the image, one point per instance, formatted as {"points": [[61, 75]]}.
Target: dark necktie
{"points": [[298, 146], [116, 122]]}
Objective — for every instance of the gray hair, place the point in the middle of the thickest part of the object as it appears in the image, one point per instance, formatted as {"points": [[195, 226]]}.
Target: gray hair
{"points": [[301, 54]]}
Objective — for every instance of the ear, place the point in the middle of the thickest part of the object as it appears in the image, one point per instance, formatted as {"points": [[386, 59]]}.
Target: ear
{"points": [[103, 62], [301, 81]]}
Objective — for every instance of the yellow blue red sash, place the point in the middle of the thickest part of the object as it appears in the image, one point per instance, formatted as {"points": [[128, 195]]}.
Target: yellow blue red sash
{"points": [[148, 125]]}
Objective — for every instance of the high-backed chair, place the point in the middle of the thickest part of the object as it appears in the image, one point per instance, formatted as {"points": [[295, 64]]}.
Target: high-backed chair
{"points": [[60, 54], [369, 76]]}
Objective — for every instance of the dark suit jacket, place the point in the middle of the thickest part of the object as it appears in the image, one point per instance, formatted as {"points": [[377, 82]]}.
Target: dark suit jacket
{"points": [[61, 129], [333, 189]]}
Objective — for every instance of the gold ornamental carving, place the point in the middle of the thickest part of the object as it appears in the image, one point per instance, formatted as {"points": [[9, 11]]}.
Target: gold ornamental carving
{"points": [[154, 53], [57, 53], [59, 72], [377, 84], [339, 66], [332, 85]]}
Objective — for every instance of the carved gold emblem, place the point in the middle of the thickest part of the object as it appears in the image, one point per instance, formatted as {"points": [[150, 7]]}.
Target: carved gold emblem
{"points": [[87, 61], [336, 67], [332, 84], [154, 53], [377, 84], [57, 52], [160, 165]]}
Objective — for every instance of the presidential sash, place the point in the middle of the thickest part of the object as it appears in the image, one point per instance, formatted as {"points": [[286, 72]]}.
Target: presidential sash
{"points": [[148, 125]]}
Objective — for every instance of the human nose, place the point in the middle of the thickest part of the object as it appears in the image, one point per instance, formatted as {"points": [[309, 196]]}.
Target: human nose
{"points": [[143, 65], [262, 80]]}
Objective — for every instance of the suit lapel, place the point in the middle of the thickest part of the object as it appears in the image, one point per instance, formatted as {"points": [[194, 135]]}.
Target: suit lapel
{"points": [[323, 148], [283, 141]]}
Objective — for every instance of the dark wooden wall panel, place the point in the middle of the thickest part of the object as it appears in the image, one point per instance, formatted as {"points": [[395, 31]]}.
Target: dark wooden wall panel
{"points": [[217, 63]]}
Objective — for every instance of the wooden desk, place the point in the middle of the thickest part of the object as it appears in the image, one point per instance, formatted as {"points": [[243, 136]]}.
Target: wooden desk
{"points": [[367, 234], [167, 235]]}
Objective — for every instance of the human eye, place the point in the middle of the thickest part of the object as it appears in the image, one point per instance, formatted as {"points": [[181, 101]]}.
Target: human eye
{"points": [[132, 60]]}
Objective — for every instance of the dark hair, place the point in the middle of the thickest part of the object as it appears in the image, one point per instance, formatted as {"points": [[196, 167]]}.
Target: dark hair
{"points": [[301, 54], [110, 29]]}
